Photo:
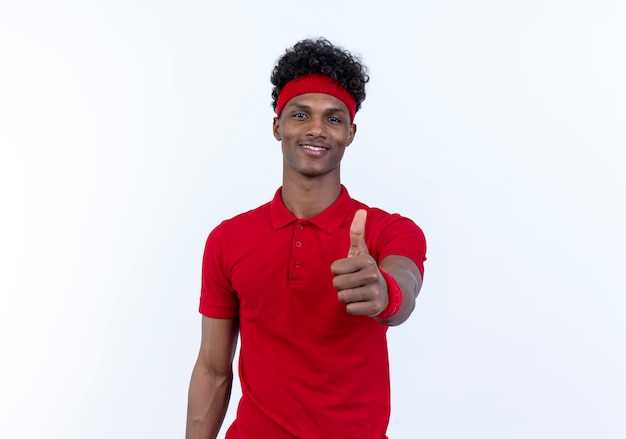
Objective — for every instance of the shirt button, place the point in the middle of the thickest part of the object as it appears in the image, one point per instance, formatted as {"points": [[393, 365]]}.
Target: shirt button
{"points": [[300, 226], [298, 244], [298, 264]]}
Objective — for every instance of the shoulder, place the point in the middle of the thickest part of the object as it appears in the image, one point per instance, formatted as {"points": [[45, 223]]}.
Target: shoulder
{"points": [[247, 221], [393, 226], [379, 219], [246, 217]]}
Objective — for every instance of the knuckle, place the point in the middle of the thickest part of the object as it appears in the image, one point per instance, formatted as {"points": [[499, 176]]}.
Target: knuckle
{"points": [[370, 261]]}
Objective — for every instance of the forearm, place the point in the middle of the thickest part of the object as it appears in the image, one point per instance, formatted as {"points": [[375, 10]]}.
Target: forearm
{"points": [[209, 394], [410, 281]]}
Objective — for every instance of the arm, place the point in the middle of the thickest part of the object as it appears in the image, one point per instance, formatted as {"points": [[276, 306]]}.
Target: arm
{"points": [[212, 378], [409, 279]]}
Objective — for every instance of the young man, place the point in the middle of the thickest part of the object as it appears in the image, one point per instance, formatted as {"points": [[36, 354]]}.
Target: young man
{"points": [[311, 280]]}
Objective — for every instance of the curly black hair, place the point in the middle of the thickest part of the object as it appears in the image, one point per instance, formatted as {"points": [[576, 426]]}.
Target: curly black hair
{"points": [[320, 56]]}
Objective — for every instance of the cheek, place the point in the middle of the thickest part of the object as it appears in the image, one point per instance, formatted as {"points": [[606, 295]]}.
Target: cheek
{"points": [[347, 141], [285, 132], [347, 137]]}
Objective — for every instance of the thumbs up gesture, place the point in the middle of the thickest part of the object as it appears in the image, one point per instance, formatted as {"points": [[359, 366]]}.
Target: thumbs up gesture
{"points": [[358, 281]]}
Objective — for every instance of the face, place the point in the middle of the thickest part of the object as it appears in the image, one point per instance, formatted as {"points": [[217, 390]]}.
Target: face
{"points": [[314, 129]]}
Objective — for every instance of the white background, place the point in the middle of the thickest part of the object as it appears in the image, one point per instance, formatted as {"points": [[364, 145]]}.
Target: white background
{"points": [[129, 129]]}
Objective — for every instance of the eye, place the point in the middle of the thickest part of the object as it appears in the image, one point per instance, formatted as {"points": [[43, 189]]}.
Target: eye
{"points": [[334, 119], [299, 115]]}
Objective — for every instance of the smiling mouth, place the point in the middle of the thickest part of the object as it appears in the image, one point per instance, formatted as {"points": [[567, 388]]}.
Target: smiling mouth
{"points": [[315, 148]]}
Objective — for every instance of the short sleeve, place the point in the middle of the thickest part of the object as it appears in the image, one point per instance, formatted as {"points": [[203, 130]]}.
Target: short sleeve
{"points": [[400, 236], [217, 297]]}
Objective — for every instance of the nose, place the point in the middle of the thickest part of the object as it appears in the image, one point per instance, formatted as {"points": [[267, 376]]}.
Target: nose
{"points": [[316, 127]]}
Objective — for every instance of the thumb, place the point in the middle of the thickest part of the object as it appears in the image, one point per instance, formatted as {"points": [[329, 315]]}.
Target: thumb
{"points": [[357, 234]]}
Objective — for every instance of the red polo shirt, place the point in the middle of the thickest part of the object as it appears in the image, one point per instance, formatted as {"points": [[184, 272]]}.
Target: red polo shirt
{"points": [[308, 370]]}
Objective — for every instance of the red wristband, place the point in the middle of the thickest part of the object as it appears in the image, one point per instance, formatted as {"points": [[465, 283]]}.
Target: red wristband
{"points": [[395, 297]]}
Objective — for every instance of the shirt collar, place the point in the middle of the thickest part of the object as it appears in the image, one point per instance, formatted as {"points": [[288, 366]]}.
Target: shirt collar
{"points": [[328, 220]]}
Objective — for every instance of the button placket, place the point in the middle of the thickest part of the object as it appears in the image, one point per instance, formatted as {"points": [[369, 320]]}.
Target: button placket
{"points": [[297, 256]]}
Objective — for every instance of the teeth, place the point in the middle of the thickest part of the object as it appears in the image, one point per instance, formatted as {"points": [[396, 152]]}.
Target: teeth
{"points": [[314, 148]]}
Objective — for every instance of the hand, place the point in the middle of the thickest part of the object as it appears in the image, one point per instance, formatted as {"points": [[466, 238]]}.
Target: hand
{"points": [[357, 279]]}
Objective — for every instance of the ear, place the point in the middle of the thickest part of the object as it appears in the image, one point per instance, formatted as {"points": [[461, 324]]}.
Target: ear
{"points": [[276, 128], [351, 134]]}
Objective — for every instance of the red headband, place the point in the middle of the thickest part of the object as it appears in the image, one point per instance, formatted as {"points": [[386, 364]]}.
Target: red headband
{"points": [[315, 83]]}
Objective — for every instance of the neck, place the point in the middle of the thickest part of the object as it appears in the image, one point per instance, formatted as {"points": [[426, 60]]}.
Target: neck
{"points": [[310, 197]]}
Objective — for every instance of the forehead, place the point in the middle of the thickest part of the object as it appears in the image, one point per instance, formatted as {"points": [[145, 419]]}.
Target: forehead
{"points": [[318, 101]]}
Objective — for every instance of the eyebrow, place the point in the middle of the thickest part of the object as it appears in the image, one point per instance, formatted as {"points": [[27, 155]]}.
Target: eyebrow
{"points": [[326, 110]]}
